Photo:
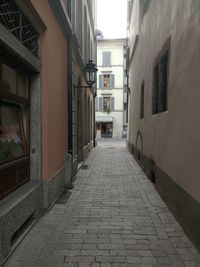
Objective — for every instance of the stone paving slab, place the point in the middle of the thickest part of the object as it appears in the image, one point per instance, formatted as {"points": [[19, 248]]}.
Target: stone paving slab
{"points": [[113, 218]]}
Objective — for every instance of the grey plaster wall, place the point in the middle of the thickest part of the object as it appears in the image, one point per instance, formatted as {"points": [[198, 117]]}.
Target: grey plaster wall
{"points": [[171, 138], [15, 210]]}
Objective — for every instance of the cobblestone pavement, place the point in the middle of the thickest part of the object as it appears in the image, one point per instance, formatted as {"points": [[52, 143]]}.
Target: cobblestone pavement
{"points": [[113, 218]]}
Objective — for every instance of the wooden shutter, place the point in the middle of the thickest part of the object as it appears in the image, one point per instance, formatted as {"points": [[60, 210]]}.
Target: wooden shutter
{"points": [[100, 81], [106, 58], [112, 104], [112, 80], [100, 103]]}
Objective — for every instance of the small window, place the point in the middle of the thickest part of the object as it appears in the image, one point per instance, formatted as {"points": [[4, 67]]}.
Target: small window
{"points": [[142, 101], [106, 103], [106, 81], [160, 81], [106, 58]]}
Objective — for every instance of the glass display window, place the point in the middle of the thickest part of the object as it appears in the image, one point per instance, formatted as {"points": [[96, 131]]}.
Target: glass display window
{"points": [[12, 139]]}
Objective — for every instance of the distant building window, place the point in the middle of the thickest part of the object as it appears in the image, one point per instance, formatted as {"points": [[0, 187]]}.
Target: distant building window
{"points": [[160, 81], [106, 81], [142, 101], [106, 58], [106, 103]]}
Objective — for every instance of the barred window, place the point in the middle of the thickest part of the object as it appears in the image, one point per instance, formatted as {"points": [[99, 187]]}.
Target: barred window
{"points": [[16, 23]]}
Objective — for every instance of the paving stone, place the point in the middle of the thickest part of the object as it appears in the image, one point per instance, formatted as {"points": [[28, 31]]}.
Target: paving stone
{"points": [[115, 218]]}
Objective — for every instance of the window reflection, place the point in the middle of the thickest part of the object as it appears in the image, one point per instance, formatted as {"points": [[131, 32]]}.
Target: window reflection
{"points": [[9, 79], [11, 132]]}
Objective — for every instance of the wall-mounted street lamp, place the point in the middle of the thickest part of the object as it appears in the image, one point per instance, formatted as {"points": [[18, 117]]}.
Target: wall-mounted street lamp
{"points": [[91, 74]]}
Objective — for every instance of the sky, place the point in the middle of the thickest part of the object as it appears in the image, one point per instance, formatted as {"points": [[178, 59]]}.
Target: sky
{"points": [[111, 18]]}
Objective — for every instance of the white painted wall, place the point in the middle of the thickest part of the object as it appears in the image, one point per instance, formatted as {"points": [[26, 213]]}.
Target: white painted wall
{"points": [[116, 47]]}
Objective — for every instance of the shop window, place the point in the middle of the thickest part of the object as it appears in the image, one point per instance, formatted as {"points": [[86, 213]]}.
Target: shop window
{"points": [[14, 128], [12, 139], [9, 79], [22, 85]]}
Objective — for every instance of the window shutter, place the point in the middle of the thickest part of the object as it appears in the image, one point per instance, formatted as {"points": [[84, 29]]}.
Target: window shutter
{"points": [[100, 103], [106, 58], [112, 80], [100, 81], [97, 103], [112, 104]]}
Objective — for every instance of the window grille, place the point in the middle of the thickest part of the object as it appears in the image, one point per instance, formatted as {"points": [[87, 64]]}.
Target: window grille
{"points": [[14, 21]]}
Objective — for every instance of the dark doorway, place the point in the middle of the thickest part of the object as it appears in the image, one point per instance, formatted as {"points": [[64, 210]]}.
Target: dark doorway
{"points": [[106, 129]]}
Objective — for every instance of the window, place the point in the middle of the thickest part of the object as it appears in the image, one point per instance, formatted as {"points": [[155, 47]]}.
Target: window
{"points": [[14, 128], [14, 21], [106, 103], [106, 81], [12, 137], [106, 58], [142, 101], [160, 81]]}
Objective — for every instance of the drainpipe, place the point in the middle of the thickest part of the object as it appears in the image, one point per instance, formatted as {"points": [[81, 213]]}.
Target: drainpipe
{"points": [[94, 120], [70, 147], [70, 133]]}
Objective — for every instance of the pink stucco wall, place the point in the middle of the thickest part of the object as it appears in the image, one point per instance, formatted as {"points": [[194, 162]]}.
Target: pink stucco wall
{"points": [[54, 92]]}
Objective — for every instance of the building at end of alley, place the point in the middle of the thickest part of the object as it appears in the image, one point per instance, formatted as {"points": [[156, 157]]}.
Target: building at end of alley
{"points": [[111, 97]]}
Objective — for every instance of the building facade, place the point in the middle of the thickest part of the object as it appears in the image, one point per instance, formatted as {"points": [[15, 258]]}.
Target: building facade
{"points": [[82, 48], [164, 124], [44, 46], [111, 85]]}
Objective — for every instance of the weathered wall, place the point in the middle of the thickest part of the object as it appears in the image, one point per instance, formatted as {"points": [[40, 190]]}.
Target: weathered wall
{"points": [[170, 138], [169, 141], [54, 95]]}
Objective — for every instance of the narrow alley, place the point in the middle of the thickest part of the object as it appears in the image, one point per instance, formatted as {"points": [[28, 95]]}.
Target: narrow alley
{"points": [[113, 217]]}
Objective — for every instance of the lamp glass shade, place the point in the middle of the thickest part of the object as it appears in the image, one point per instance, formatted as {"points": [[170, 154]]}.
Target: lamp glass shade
{"points": [[91, 70]]}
